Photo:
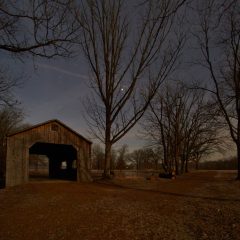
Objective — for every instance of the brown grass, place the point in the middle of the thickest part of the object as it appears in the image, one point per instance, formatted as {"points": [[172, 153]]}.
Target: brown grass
{"points": [[199, 205]]}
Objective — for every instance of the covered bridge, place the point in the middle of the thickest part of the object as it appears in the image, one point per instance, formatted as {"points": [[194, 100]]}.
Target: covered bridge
{"points": [[53, 139]]}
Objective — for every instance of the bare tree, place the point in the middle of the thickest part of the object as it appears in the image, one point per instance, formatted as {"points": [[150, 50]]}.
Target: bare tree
{"points": [[178, 122], [10, 120], [45, 28], [135, 159], [7, 84], [97, 157], [144, 158], [218, 36], [130, 55], [121, 160]]}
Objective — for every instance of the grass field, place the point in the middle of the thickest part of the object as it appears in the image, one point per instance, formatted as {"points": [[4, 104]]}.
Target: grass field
{"points": [[198, 205]]}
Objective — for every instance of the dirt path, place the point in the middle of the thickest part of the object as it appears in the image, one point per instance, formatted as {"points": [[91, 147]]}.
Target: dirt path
{"points": [[200, 205]]}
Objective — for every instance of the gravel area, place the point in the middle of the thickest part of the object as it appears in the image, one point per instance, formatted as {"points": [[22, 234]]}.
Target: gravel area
{"points": [[198, 205]]}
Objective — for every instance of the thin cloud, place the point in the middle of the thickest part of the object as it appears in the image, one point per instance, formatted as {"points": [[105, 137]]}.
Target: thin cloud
{"points": [[60, 70]]}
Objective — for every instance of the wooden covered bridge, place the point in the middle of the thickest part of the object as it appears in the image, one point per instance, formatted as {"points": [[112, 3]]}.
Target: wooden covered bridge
{"points": [[55, 140]]}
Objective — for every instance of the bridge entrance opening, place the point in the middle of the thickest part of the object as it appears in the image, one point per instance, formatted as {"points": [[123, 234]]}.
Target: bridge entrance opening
{"points": [[54, 161]]}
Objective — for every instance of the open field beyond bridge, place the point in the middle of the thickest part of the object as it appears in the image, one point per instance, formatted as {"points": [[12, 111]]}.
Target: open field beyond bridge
{"points": [[199, 205]]}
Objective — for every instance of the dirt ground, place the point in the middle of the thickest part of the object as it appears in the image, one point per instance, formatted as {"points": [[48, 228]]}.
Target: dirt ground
{"points": [[199, 205]]}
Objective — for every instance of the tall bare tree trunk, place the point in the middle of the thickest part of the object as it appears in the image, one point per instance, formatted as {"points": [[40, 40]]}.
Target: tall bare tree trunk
{"points": [[238, 144], [107, 169], [186, 165], [108, 148], [238, 160]]}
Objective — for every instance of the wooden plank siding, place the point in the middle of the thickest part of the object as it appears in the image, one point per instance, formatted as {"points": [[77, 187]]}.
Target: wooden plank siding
{"points": [[54, 132]]}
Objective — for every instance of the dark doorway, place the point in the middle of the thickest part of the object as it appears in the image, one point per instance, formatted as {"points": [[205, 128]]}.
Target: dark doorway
{"points": [[59, 161]]}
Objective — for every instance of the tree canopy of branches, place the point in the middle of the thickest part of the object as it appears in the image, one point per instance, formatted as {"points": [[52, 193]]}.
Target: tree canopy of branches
{"points": [[180, 125], [44, 28], [218, 36], [131, 50]]}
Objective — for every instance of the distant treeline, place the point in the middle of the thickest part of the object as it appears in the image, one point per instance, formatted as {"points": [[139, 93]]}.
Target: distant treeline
{"points": [[224, 164]]}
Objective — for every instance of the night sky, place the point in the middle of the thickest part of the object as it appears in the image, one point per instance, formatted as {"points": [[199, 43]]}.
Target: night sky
{"points": [[55, 89]]}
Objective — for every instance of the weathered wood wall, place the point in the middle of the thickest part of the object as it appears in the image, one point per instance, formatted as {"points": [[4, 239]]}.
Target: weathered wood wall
{"points": [[55, 132]]}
